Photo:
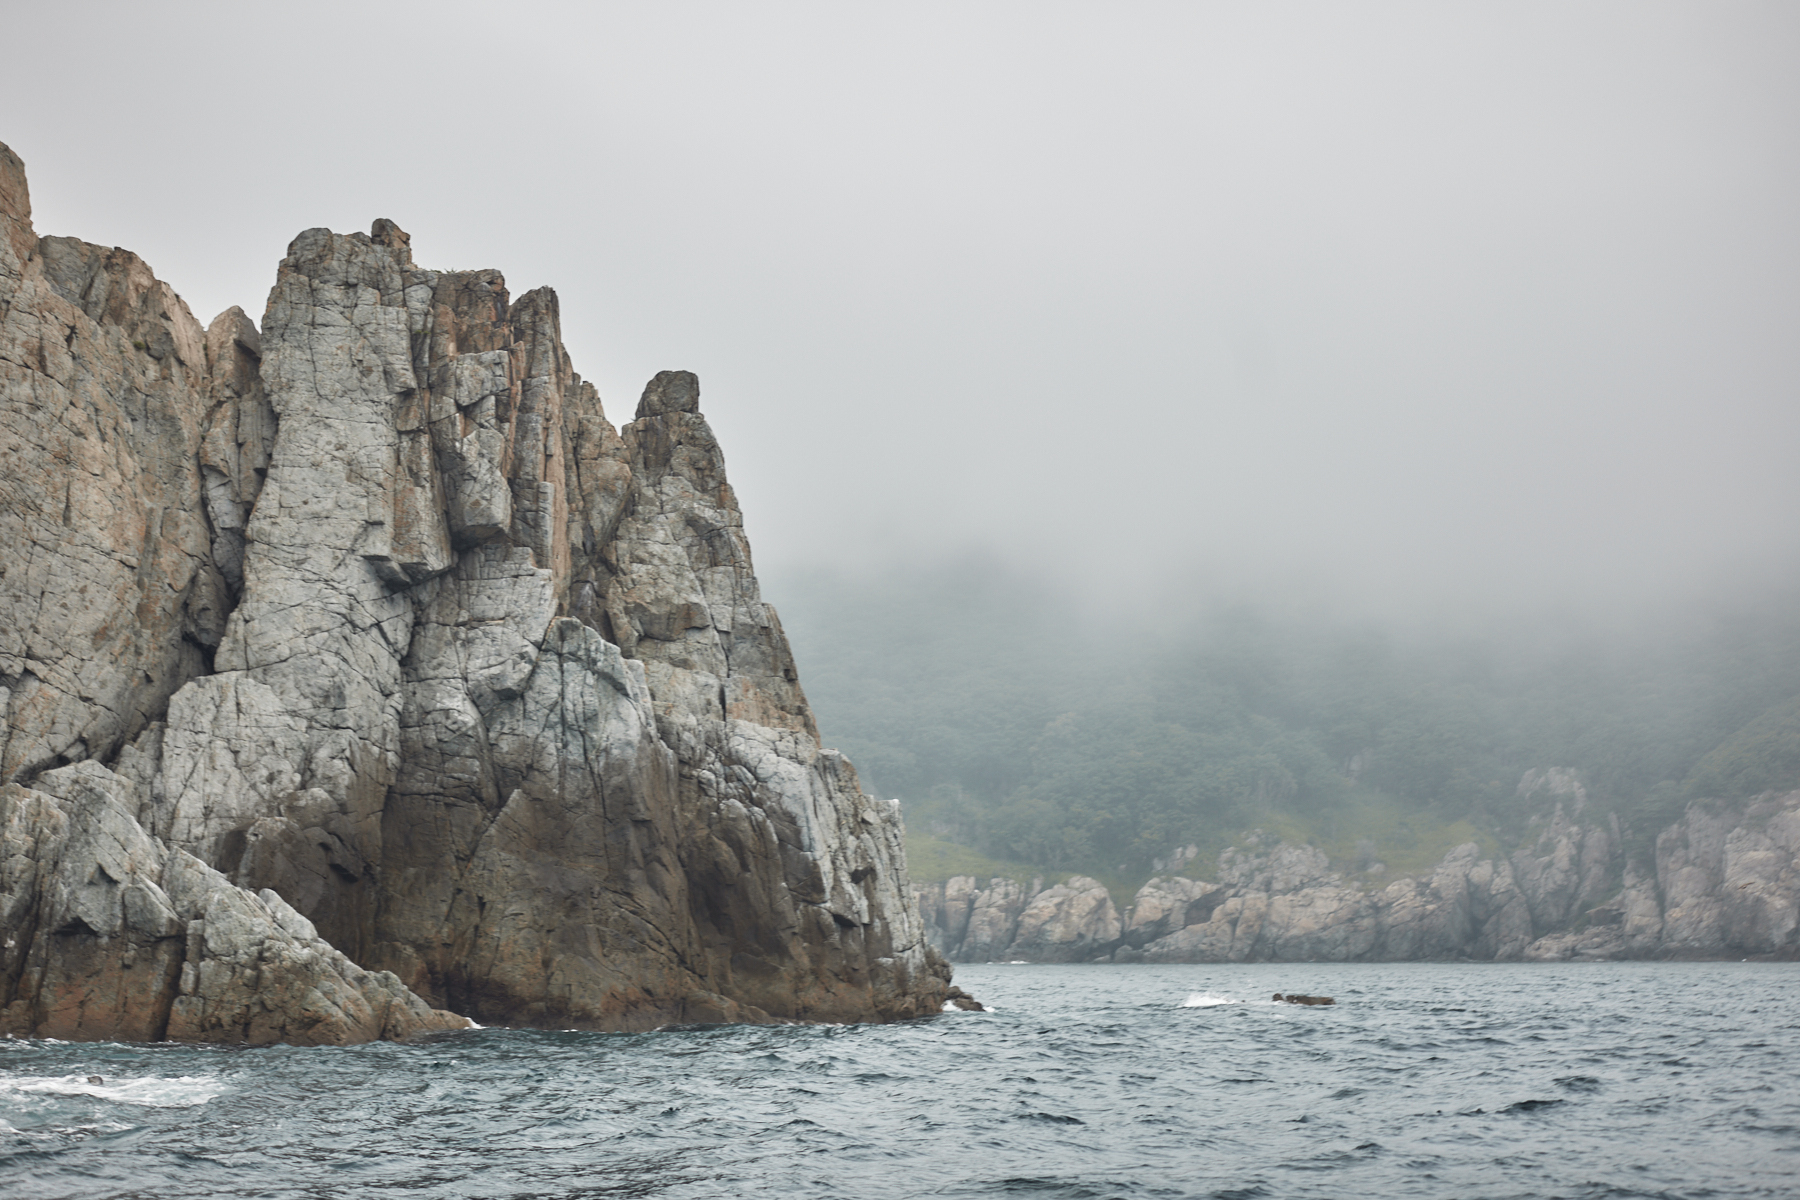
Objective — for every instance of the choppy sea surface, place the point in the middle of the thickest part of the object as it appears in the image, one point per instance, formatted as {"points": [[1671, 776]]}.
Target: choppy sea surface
{"points": [[1428, 1080]]}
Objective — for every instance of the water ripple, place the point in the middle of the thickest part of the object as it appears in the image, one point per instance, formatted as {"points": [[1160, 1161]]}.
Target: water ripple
{"points": [[1425, 1080]]}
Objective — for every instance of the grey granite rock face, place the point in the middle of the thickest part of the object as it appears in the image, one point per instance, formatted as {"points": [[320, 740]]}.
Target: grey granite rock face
{"points": [[501, 707], [1169, 904], [1069, 922], [132, 448], [112, 934], [1003, 921], [993, 921], [1730, 878], [607, 805], [375, 612], [1726, 883]]}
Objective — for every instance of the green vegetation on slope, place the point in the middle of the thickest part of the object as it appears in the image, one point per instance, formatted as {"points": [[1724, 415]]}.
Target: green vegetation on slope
{"points": [[1029, 739]]}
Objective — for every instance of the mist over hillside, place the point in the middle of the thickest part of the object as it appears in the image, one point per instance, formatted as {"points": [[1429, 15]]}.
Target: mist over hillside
{"points": [[1019, 719]]}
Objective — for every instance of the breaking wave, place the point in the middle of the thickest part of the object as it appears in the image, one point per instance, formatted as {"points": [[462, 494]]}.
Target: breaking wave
{"points": [[180, 1091]]}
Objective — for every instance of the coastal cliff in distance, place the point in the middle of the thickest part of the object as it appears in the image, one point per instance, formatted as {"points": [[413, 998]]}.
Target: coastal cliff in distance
{"points": [[1722, 882], [357, 672]]}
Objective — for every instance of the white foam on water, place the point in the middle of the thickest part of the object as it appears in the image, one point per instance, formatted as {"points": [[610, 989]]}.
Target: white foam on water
{"points": [[1207, 1000], [179, 1091]]}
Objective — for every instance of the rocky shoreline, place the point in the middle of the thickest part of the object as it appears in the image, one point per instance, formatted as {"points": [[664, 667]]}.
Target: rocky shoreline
{"points": [[1724, 883]]}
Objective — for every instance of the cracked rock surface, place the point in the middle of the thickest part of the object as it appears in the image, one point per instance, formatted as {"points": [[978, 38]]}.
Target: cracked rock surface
{"points": [[112, 934], [375, 616], [109, 596]]}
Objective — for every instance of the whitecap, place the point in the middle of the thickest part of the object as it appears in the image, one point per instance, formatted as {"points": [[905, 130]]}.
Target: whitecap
{"points": [[1207, 1000], [179, 1091]]}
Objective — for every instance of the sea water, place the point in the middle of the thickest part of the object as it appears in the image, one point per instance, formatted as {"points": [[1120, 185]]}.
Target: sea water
{"points": [[1427, 1080]]}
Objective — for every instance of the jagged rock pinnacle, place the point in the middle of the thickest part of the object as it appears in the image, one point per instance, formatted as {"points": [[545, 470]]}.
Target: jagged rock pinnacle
{"points": [[375, 633]]}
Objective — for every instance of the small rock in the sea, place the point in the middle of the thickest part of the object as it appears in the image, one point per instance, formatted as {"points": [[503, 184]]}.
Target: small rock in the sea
{"points": [[1294, 998], [963, 1000], [96, 1079]]}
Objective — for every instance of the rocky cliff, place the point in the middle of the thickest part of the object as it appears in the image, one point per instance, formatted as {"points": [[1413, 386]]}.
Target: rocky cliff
{"points": [[1724, 882], [371, 622]]}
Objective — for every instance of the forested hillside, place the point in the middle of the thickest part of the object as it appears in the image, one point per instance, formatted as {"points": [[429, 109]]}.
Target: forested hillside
{"points": [[1041, 733]]}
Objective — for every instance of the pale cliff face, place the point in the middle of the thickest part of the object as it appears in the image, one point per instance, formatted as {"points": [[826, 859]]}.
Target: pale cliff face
{"points": [[375, 611]]}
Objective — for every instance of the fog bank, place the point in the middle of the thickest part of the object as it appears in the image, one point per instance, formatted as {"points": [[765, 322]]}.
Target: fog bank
{"points": [[1482, 307]]}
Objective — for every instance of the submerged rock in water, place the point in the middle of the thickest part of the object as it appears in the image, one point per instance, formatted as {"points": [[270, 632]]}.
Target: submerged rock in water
{"points": [[410, 672]]}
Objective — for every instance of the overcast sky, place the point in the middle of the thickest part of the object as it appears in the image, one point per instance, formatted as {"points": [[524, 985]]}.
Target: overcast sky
{"points": [[1490, 303]]}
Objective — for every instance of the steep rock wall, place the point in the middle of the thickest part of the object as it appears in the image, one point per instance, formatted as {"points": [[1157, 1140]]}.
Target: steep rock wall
{"points": [[132, 449], [418, 642], [108, 592]]}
